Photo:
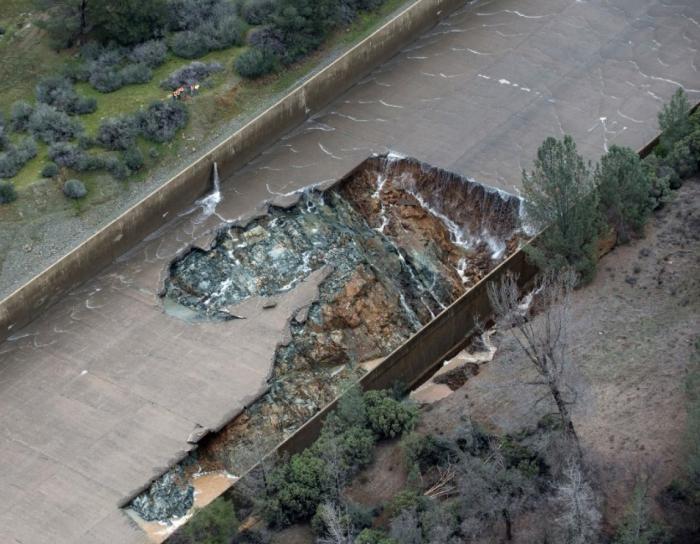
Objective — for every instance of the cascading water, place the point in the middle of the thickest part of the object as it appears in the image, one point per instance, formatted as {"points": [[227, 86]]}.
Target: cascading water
{"points": [[209, 203]]}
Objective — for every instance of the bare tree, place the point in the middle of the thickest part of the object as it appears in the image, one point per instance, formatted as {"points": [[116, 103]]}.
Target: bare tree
{"points": [[256, 459], [339, 529], [490, 492], [580, 517], [405, 527], [639, 527], [337, 470], [540, 325]]}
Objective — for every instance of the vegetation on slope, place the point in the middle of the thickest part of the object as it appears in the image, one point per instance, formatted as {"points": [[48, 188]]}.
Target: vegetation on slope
{"points": [[90, 68]]}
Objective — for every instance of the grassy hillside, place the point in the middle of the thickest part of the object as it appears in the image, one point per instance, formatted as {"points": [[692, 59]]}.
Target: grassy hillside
{"points": [[27, 57]]}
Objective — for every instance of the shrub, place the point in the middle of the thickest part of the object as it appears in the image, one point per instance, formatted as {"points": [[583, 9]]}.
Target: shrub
{"points": [[374, 536], [354, 446], [19, 115], [426, 451], [223, 33], [76, 70], [258, 12], [189, 44], [67, 155], [106, 80], [297, 489], [58, 91], [189, 14], [50, 125], [684, 156], [254, 63], [74, 189], [86, 142], [16, 156], [83, 105], [4, 139], [151, 53], [192, 73], [660, 179], [118, 133], [161, 120], [72, 156], [135, 73], [215, 524], [388, 417], [116, 168], [7, 192], [55, 91], [91, 163], [133, 158], [351, 408], [406, 500], [623, 189], [267, 38], [559, 194], [674, 122], [674, 180], [50, 170]]}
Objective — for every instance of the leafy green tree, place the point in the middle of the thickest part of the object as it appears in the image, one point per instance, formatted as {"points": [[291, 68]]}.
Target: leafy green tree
{"points": [[684, 156], [67, 21], [560, 198], [623, 189], [215, 524], [70, 22], [674, 122], [304, 24], [129, 22], [388, 417]]}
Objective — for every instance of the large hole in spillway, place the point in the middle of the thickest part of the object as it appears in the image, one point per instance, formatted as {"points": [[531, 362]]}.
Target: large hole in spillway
{"points": [[398, 240], [402, 239]]}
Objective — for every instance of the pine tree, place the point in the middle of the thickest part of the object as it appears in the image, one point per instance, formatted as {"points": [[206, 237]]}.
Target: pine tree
{"points": [[561, 201]]}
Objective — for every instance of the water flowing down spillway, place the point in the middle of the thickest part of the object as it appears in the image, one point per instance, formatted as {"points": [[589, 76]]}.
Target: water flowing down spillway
{"points": [[399, 241]]}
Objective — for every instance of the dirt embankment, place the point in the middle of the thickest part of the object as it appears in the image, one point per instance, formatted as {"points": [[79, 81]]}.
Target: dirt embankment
{"points": [[633, 333]]}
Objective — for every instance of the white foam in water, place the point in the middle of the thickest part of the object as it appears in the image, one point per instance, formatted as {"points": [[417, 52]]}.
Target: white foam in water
{"points": [[381, 180], [456, 232]]}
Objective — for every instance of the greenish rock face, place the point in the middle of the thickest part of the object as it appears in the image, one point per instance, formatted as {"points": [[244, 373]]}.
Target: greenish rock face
{"points": [[274, 254], [168, 497]]}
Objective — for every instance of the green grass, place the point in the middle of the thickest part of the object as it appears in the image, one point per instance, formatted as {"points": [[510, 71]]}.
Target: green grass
{"points": [[27, 57]]}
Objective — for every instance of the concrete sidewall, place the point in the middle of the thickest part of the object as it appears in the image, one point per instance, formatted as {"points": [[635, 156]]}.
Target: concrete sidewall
{"points": [[122, 234]]}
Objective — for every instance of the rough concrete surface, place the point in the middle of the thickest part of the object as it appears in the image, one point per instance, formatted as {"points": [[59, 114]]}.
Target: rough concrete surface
{"points": [[101, 393]]}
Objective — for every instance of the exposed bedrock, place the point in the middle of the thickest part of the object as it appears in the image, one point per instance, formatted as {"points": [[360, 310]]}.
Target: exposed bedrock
{"points": [[400, 242]]}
